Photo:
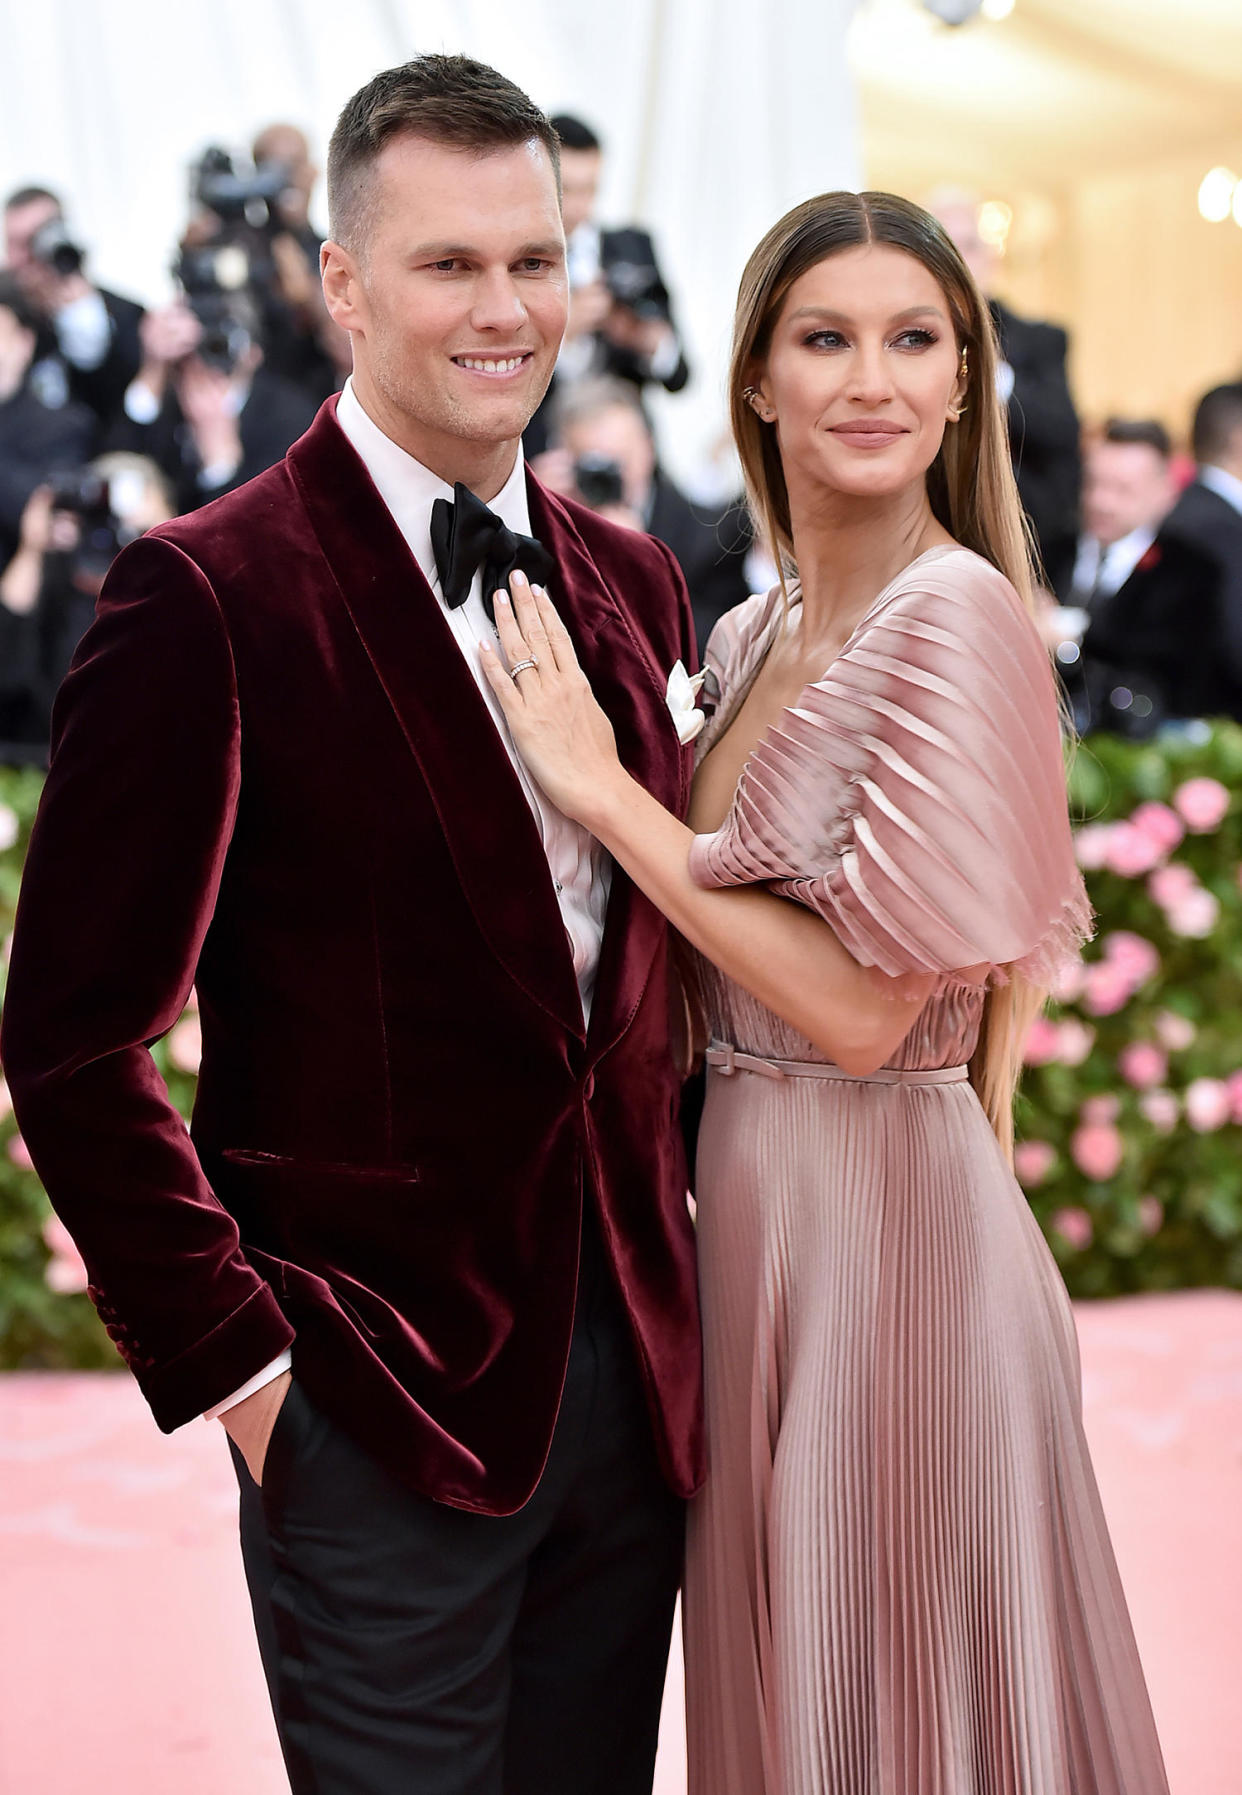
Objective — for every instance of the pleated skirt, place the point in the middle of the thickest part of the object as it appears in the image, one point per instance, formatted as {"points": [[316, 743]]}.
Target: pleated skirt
{"points": [[899, 1579]]}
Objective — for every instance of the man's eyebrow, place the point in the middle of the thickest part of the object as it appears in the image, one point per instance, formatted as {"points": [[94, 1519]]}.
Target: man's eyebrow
{"points": [[442, 252]]}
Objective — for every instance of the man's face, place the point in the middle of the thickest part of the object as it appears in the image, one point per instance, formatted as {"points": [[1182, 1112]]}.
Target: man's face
{"points": [[618, 434], [457, 297], [21, 223], [580, 173], [1126, 486]]}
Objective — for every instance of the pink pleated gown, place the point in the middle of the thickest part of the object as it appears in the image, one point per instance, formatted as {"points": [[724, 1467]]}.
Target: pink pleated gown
{"points": [[899, 1579]]}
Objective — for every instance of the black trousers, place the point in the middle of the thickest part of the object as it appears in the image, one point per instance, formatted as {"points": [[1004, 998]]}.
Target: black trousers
{"points": [[415, 1649]]}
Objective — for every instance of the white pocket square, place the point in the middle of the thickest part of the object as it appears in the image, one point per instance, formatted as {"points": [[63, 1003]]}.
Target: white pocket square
{"points": [[680, 698]]}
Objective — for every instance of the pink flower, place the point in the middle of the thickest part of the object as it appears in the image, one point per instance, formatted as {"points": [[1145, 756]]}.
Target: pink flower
{"points": [[1077, 1040], [1172, 884], [1142, 1064], [1032, 1161], [1233, 1084], [1208, 1104], [1161, 1109], [1068, 981], [185, 1044], [1203, 804], [1042, 1042], [1195, 916], [1151, 1215], [1163, 825], [1091, 845], [65, 1271], [1130, 852], [1101, 1109], [19, 1153], [1173, 1031], [1098, 1150], [1133, 954], [1075, 1227], [1108, 989]]}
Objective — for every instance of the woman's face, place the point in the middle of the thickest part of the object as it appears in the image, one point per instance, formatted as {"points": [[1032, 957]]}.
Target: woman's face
{"points": [[861, 375]]}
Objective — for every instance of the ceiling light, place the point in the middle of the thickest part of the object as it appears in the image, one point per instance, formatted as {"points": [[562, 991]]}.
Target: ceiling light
{"points": [[997, 9], [995, 218], [1216, 194]]}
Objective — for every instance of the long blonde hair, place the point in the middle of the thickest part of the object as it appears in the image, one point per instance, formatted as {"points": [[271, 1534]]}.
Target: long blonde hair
{"points": [[970, 484]]}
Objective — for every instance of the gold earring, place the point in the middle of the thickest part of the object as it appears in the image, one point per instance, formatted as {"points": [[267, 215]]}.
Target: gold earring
{"points": [[752, 395], [963, 372]]}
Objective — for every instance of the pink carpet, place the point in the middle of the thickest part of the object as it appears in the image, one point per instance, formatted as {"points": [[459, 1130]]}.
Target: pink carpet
{"points": [[127, 1664]]}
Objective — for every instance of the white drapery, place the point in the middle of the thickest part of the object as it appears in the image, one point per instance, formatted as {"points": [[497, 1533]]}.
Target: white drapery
{"points": [[716, 115]]}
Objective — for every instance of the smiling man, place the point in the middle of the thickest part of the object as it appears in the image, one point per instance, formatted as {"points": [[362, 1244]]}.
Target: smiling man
{"points": [[426, 1251]]}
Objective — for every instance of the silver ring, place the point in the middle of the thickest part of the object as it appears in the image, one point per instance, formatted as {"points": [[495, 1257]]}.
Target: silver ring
{"points": [[522, 666]]}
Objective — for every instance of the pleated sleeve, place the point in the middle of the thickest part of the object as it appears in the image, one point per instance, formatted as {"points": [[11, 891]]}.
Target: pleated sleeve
{"points": [[915, 797]]}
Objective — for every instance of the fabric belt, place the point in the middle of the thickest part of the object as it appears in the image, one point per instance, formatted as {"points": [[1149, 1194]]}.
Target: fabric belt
{"points": [[724, 1057]]}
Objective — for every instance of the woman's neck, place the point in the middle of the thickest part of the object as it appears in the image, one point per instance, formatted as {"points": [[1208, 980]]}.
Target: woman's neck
{"points": [[848, 549]]}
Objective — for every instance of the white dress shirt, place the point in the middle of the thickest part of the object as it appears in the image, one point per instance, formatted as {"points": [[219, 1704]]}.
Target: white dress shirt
{"points": [[580, 868], [1225, 485], [1103, 569]]}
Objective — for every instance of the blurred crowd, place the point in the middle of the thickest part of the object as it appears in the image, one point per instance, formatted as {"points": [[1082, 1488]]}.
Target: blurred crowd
{"points": [[114, 417]]}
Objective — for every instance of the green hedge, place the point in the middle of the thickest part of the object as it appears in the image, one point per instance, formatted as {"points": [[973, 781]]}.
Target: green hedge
{"points": [[1130, 1118]]}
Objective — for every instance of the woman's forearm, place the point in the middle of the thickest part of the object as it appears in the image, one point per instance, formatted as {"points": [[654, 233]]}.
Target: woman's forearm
{"points": [[780, 952]]}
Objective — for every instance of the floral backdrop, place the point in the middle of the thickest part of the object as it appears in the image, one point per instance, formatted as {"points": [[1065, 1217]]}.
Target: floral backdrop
{"points": [[1130, 1117]]}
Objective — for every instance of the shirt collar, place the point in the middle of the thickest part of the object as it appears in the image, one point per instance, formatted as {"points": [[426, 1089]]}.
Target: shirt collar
{"points": [[1225, 486], [409, 489]]}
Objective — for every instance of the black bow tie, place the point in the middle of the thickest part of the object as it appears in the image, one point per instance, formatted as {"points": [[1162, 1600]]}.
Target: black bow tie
{"points": [[465, 536]]}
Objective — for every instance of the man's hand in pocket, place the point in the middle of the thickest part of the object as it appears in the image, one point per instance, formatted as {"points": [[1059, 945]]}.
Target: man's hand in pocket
{"points": [[249, 1424]]}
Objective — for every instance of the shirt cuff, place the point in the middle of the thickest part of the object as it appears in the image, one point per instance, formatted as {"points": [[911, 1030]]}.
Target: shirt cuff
{"points": [[216, 474], [668, 353], [268, 1375]]}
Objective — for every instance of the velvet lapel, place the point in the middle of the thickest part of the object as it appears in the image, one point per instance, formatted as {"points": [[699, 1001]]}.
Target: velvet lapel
{"points": [[631, 688], [487, 822]]}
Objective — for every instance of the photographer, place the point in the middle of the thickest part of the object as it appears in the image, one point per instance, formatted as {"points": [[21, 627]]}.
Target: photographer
{"points": [[620, 312], [95, 331], [606, 457], [204, 407], [300, 341], [34, 437], [71, 529]]}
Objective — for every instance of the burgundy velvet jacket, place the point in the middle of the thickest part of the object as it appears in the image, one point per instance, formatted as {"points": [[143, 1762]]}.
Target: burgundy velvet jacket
{"points": [[274, 777]]}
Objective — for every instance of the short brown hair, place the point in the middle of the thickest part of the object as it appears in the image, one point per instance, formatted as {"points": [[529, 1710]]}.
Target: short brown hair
{"points": [[451, 100]]}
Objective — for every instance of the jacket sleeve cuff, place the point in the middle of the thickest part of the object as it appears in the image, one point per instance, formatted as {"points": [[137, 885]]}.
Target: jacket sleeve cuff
{"points": [[222, 1361]]}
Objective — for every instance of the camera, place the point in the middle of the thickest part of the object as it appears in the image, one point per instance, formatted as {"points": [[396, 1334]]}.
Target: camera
{"points": [[599, 481], [638, 287], [87, 496], [217, 281], [55, 248], [235, 197]]}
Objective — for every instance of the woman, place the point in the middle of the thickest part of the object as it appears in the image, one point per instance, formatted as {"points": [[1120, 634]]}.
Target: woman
{"points": [[899, 1580]]}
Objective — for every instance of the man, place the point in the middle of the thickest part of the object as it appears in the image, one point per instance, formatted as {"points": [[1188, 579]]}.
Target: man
{"points": [[604, 433], [620, 313], [1176, 624], [1034, 387], [434, 1148], [300, 341], [35, 438], [96, 332], [1127, 491]]}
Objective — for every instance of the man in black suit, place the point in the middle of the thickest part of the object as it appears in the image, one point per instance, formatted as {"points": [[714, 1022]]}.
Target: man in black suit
{"points": [[1034, 387], [94, 332], [620, 318], [35, 438], [607, 458], [1177, 623]]}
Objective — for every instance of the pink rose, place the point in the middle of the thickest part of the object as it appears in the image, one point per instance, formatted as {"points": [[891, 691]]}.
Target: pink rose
{"points": [[1233, 1084], [1101, 1109], [1163, 825], [1172, 884], [1195, 916], [1142, 1064], [1032, 1161], [185, 1044], [1076, 1041], [1130, 852], [1133, 954], [1068, 981], [1161, 1109], [1042, 1042], [1151, 1215], [1075, 1227], [65, 1272], [19, 1153], [1098, 1150], [1208, 1104], [1173, 1031], [1203, 804], [1091, 845], [1107, 989]]}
